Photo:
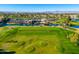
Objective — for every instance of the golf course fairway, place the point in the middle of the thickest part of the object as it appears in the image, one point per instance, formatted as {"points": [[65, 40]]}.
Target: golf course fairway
{"points": [[37, 40]]}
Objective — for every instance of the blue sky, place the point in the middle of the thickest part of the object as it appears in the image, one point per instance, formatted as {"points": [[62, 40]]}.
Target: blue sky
{"points": [[38, 7]]}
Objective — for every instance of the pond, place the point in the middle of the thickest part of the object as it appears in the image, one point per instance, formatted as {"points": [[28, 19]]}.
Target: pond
{"points": [[53, 25], [20, 25], [75, 26], [29, 25]]}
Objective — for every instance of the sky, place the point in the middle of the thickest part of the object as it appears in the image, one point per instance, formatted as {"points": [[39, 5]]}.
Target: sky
{"points": [[38, 7]]}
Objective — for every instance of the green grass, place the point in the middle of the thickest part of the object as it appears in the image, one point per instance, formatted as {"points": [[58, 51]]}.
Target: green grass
{"points": [[37, 40], [74, 23]]}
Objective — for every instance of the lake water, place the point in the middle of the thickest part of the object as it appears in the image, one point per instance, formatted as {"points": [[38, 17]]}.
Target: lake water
{"points": [[74, 26], [28, 25], [77, 26]]}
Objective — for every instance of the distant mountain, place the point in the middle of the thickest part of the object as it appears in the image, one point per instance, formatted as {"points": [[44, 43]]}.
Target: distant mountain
{"points": [[46, 12], [60, 12]]}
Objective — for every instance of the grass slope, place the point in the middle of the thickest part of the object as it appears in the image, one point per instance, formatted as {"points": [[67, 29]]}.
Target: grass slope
{"points": [[37, 40]]}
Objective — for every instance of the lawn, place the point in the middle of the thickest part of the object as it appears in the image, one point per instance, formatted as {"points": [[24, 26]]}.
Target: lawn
{"points": [[37, 40], [74, 23]]}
